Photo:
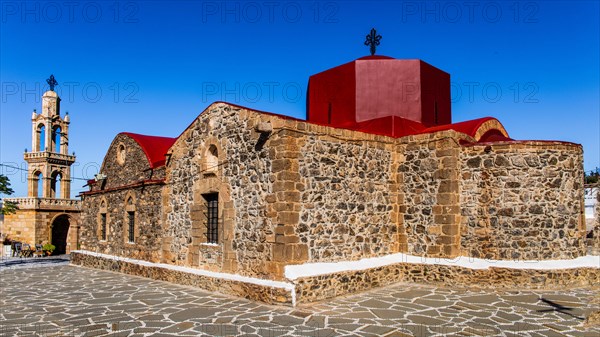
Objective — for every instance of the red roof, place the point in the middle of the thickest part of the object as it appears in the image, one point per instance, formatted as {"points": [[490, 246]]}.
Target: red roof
{"points": [[154, 147], [469, 127], [396, 127]]}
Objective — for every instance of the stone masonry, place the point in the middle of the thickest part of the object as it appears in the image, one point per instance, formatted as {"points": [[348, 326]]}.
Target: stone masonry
{"points": [[123, 190], [34, 220], [522, 201], [346, 193], [427, 181], [294, 192], [596, 231], [310, 193], [47, 214]]}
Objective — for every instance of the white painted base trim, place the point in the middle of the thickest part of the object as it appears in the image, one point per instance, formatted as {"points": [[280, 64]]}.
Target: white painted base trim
{"points": [[232, 277], [293, 272]]}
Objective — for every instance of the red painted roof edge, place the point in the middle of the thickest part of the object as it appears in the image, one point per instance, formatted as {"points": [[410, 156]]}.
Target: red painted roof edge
{"points": [[524, 142], [462, 127], [468, 127], [283, 117], [154, 147]]}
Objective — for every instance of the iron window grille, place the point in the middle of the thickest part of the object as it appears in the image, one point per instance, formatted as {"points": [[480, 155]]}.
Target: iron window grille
{"points": [[212, 217], [103, 226], [131, 221]]}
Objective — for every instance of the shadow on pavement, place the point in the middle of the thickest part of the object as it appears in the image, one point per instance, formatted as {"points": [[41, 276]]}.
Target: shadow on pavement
{"points": [[12, 262]]}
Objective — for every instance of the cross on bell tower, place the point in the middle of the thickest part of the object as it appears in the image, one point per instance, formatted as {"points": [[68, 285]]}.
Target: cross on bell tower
{"points": [[49, 162]]}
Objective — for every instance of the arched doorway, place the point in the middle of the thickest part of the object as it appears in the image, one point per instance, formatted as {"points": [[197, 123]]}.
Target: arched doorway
{"points": [[60, 231]]}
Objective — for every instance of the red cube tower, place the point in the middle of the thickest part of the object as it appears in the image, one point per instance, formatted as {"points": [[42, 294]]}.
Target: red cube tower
{"points": [[382, 95]]}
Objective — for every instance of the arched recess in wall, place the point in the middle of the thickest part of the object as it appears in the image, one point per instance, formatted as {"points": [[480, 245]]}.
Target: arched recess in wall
{"points": [[40, 138], [37, 184], [211, 195], [55, 184], [131, 226], [102, 220], [212, 214], [211, 159], [56, 139], [121, 154]]}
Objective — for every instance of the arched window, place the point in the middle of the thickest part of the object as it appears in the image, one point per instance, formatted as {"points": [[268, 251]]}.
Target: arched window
{"points": [[56, 139], [37, 184], [55, 184], [212, 159], [212, 217], [102, 222], [40, 142], [121, 154], [130, 220]]}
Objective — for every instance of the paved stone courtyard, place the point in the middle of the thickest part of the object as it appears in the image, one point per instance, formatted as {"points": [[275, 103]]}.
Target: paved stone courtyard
{"points": [[64, 300]]}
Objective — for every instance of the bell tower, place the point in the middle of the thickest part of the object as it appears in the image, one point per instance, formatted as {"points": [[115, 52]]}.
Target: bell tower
{"points": [[49, 162], [47, 214]]}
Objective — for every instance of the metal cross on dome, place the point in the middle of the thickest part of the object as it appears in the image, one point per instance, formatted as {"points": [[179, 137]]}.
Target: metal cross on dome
{"points": [[373, 40], [51, 82]]}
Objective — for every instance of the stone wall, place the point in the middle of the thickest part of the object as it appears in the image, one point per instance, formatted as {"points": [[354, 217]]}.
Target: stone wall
{"points": [[252, 291], [301, 193], [309, 193], [346, 198], [243, 180], [316, 288], [596, 231], [125, 181], [291, 192], [522, 201], [148, 229], [20, 226], [428, 174], [133, 169], [310, 289], [33, 226]]}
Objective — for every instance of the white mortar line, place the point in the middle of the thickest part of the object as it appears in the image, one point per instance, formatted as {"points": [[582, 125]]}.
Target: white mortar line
{"points": [[293, 272]]}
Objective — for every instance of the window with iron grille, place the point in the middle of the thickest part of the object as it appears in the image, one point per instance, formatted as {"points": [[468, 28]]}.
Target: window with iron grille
{"points": [[103, 226], [212, 217], [131, 221]]}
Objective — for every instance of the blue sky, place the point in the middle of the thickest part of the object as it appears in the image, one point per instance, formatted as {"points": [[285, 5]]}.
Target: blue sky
{"points": [[152, 66]]}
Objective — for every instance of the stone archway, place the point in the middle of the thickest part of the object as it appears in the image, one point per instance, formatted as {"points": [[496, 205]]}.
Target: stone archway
{"points": [[60, 232]]}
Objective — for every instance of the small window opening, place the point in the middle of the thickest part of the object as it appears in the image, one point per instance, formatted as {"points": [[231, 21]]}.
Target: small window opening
{"points": [[103, 226], [131, 231], [212, 217]]}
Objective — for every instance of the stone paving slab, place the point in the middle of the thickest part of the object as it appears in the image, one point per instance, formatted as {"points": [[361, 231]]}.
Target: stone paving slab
{"points": [[31, 262], [65, 300]]}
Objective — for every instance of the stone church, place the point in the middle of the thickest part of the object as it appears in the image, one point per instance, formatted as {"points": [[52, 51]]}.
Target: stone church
{"points": [[242, 197], [47, 214]]}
